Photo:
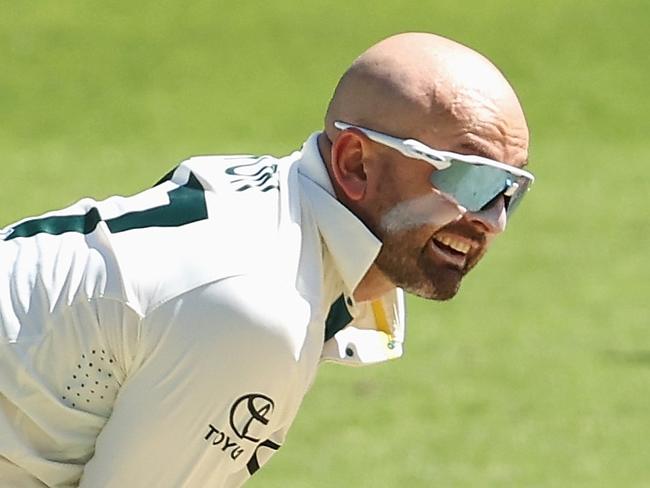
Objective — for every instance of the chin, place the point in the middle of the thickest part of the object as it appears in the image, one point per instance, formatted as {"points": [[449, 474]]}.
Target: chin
{"points": [[434, 290], [444, 295]]}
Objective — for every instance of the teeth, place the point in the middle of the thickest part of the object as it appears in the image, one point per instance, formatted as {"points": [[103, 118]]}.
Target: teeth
{"points": [[455, 244]]}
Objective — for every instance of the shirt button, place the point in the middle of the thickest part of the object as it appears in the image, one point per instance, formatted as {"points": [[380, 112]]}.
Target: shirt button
{"points": [[349, 352]]}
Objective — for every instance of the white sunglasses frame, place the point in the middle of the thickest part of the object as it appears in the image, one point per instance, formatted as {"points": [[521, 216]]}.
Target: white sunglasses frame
{"points": [[415, 149]]}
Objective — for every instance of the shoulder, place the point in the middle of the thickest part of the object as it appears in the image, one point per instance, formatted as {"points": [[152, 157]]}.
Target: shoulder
{"points": [[237, 173], [244, 212]]}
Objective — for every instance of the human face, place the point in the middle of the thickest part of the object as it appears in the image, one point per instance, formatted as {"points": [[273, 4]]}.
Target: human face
{"points": [[430, 238]]}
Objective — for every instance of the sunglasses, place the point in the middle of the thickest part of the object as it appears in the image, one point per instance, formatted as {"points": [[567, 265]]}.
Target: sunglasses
{"points": [[473, 181]]}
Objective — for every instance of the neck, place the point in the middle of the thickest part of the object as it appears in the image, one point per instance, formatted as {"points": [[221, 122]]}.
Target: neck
{"points": [[373, 285]]}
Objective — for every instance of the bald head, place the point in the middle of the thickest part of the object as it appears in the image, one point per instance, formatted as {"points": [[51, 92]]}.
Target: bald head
{"points": [[451, 98], [425, 86]]}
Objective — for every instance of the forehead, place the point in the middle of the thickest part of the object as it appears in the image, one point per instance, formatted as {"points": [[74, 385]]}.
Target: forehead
{"points": [[489, 134], [469, 117]]}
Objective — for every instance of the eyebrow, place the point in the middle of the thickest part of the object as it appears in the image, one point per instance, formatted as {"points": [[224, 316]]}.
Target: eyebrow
{"points": [[477, 149]]}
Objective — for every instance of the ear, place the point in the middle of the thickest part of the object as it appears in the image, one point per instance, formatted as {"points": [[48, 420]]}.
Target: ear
{"points": [[347, 161]]}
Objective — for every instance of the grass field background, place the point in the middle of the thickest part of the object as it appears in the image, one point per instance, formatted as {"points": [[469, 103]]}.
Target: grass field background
{"points": [[537, 374]]}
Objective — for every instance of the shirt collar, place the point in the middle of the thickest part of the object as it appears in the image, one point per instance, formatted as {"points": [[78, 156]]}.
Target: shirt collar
{"points": [[352, 246]]}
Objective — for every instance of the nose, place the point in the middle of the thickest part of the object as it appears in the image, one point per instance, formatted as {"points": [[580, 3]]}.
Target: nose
{"points": [[491, 218]]}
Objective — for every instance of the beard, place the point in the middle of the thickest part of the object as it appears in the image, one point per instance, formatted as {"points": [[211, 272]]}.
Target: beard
{"points": [[406, 260], [415, 272]]}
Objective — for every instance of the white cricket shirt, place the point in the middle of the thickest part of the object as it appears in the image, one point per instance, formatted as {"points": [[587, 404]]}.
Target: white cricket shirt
{"points": [[167, 339]]}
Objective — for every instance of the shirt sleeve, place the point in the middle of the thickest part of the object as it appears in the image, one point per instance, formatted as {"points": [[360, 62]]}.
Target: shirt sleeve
{"points": [[219, 377]]}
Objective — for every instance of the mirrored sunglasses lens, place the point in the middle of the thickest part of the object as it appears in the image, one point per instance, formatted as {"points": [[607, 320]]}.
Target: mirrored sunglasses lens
{"points": [[472, 186], [519, 194]]}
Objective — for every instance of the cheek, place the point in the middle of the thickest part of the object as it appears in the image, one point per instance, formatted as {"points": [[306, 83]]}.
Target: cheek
{"points": [[432, 211]]}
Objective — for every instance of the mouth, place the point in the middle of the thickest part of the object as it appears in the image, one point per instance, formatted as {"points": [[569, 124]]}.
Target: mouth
{"points": [[453, 249]]}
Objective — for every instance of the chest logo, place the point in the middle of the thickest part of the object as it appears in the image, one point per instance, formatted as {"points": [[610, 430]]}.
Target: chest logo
{"points": [[256, 175], [250, 414]]}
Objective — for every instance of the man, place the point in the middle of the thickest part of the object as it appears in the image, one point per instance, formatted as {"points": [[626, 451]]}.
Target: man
{"points": [[167, 339]]}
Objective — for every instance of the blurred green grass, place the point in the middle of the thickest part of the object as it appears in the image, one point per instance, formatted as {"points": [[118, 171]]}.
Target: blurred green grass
{"points": [[536, 374]]}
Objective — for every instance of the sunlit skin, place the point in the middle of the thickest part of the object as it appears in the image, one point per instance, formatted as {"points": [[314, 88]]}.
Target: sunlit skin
{"points": [[429, 88]]}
